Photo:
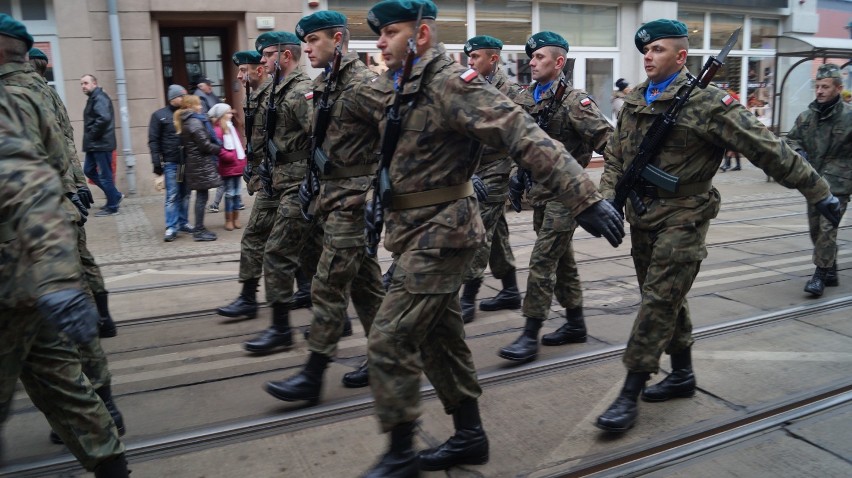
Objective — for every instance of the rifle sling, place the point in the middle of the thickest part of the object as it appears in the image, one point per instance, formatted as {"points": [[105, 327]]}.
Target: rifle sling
{"points": [[683, 190], [344, 172], [284, 158], [432, 196], [7, 232]]}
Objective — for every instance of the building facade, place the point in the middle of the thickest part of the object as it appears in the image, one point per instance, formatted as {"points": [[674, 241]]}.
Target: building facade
{"points": [[179, 41]]}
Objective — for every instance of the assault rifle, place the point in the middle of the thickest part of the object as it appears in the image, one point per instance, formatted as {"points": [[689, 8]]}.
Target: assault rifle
{"points": [[524, 181], [640, 170], [382, 190], [319, 162], [269, 131], [248, 112]]}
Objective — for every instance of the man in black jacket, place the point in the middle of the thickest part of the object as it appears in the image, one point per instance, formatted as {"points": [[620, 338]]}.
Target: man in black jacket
{"points": [[164, 144], [99, 143]]}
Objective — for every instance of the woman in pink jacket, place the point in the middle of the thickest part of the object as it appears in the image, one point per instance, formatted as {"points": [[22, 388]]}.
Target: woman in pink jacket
{"points": [[232, 160]]}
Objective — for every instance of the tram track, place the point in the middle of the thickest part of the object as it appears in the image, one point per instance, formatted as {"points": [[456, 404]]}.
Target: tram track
{"points": [[251, 429]]}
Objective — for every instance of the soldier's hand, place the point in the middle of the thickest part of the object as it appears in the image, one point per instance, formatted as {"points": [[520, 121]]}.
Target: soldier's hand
{"points": [[84, 211], [516, 193], [247, 172], [158, 169], [479, 188], [373, 215], [601, 219], [72, 312], [305, 194], [830, 209], [85, 195]]}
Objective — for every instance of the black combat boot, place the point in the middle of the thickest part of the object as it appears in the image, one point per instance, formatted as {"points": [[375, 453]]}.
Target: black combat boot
{"points": [[388, 276], [525, 347], [106, 326], [302, 298], [105, 393], [573, 331], [358, 379], [468, 446], [816, 285], [468, 299], [245, 304], [306, 385], [115, 468], [508, 298], [831, 276], [275, 337], [400, 461], [621, 415], [678, 384]]}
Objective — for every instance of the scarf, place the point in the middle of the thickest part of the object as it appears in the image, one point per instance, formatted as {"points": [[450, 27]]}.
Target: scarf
{"points": [[232, 141]]}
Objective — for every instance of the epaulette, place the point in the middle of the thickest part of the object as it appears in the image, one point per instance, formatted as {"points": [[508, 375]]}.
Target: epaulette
{"points": [[469, 75]]}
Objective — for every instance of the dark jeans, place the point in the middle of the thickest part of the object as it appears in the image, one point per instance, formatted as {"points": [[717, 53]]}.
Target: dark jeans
{"points": [[98, 168], [177, 199], [200, 204]]}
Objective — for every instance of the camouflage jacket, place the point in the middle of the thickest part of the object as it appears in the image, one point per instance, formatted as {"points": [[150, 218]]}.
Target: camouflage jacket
{"points": [[352, 139], [294, 109], [29, 91], [38, 247], [827, 139], [495, 165], [258, 102], [709, 123], [578, 123], [68, 131], [451, 109]]}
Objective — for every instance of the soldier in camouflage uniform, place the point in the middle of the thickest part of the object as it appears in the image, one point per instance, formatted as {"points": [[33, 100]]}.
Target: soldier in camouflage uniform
{"points": [[350, 145], [494, 168], [419, 327], [668, 240], [40, 294], [823, 135], [577, 122], [35, 100], [265, 207], [292, 243]]}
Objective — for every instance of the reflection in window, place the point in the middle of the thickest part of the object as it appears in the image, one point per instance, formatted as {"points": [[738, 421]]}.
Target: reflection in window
{"points": [[508, 20], [581, 25], [760, 87], [695, 27], [599, 83], [452, 21], [203, 55], [761, 30], [356, 17], [517, 67], [724, 25]]}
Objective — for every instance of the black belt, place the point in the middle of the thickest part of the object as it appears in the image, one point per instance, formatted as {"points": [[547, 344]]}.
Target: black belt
{"points": [[683, 190]]}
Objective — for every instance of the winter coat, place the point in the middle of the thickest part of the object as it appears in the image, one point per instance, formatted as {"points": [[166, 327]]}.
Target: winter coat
{"points": [[163, 140], [98, 123], [200, 151], [229, 163]]}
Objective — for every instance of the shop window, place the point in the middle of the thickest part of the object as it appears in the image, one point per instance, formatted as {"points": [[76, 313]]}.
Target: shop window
{"points": [[356, 17], [723, 25], [762, 31], [581, 25], [34, 10], [695, 26], [508, 20]]}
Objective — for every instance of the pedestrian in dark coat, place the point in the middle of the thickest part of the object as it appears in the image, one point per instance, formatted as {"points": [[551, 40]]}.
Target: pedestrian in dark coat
{"points": [[200, 150]]}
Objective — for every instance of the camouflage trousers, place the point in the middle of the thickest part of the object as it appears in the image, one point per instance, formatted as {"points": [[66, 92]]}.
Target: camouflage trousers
{"points": [[50, 370], [343, 266], [667, 261], [91, 272], [824, 235], [255, 235], [552, 266], [92, 356], [293, 244], [419, 328], [495, 250]]}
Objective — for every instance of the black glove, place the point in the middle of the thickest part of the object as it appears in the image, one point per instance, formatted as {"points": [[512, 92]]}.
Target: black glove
{"points": [[306, 196], [158, 169], [373, 221], [84, 211], [601, 219], [247, 172], [265, 178], [830, 209], [516, 192], [480, 188], [85, 195], [72, 312], [803, 153]]}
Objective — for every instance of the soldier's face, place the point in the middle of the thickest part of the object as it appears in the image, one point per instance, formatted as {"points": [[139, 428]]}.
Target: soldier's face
{"points": [[482, 62], [827, 90], [393, 42], [319, 48], [545, 65], [270, 55], [663, 58], [242, 74]]}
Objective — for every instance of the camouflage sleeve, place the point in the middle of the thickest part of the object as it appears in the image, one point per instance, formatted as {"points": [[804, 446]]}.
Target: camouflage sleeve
{"points": [[300, 107], [373, 95], [613, 165], [492, 118], [590, 123], [739, 130], [794, 137]]}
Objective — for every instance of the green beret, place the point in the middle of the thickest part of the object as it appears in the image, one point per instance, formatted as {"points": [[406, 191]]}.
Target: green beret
{"points": [[828, 70], [395, 11], [36, 54], [246, 57], [542, 39], [319, 21], [662, 28], [275, 38], [482, 42], [12, 28]]}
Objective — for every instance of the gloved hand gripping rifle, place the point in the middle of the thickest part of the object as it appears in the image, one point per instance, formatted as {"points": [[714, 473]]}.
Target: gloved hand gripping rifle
{"points": [[269, 131]]}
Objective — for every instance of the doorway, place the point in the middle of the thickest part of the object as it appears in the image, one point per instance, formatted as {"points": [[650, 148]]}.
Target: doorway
{"points": [[189, 54]]}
